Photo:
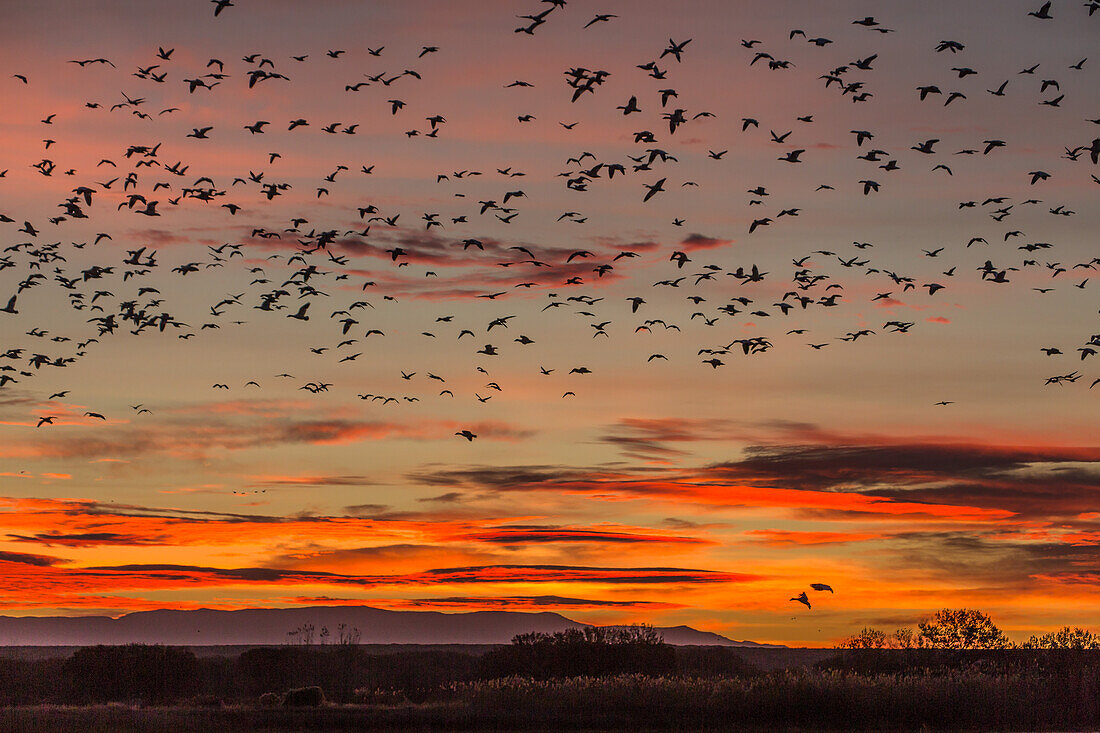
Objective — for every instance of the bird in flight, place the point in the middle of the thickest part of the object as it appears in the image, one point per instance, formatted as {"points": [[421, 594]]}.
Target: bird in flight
{"points": [[803, 599], [600, 18]]}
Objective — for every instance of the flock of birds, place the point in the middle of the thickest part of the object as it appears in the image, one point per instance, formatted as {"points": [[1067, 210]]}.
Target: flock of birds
{"points": [[317, 281], [120, 294]]}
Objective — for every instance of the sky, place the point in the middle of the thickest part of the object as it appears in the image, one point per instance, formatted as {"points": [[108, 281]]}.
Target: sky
{"points": [[810, 355]]}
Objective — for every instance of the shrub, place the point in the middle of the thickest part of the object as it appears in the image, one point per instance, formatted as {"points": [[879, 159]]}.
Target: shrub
{"points": [[270, 700], [591, 650], [867, 638], [1064, 638], [378, 696], [304, 697], [135, 672]]}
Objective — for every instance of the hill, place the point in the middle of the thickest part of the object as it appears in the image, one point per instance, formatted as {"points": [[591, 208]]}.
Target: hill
{"points": [[266, 626]]}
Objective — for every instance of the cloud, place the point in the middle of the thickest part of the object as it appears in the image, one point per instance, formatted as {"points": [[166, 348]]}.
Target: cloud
{"points": [[85, 523], [512, 603], [820, 475], [15, 577], [240, 426], [88, 539], [580, 574], [528, 602], [864, 466], [278, 480], [789, 538], [461, 271], [694, 242], [527, 534], [448, 498], [366, 510], [112, 605], [365, 537], [704, 486], [646, 438], [25, 559], [991, 559]]}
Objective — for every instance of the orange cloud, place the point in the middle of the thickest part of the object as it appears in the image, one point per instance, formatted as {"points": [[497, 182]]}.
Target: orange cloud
{"points": [[17, 578], [781, 538]]}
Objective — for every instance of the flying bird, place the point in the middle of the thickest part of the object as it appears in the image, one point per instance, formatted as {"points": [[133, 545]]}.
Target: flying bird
{"points": [[803, 599]]}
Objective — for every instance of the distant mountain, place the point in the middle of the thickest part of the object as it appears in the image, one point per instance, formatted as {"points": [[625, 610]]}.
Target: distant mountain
{"points": [[687, 636], [266, 626]]}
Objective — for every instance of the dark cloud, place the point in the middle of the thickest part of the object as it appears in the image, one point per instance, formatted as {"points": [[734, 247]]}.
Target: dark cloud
{"points": [[314, 481], [141, 575], [316, 556], [465, 271], [642, 448], [1026, 482], [570, 573], [529, 602], [535, 534], [861, 467], [647, 438], [702, 241], [497, 478], [1030, 482], [366, 510], [676, 523], [449, 498], [88, 539], [1043, 491], [240, 429], [41, 561], [993, 560]]}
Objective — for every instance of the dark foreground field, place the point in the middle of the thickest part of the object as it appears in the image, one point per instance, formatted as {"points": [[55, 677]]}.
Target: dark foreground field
{"points": [[121, 689]]}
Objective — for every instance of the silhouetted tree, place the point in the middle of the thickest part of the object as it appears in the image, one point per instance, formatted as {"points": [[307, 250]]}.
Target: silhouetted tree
{"points": [[903, 638], [1066, 637], [348, 635], [303, 635], [869, 638], [961, 628]]}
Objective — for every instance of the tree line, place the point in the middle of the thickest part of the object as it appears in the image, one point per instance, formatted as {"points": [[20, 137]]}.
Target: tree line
{"points": [[966, 628], [945, 643]]}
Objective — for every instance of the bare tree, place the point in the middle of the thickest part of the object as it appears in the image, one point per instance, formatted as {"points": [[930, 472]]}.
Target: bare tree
{"points": [[348, 635]]}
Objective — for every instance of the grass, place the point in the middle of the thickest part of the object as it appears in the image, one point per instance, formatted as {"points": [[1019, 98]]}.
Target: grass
{"points": [[800, 699], [790, 700]]}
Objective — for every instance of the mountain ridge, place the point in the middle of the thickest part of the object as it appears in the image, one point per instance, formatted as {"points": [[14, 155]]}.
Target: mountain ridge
{"points": [[267, 626]]}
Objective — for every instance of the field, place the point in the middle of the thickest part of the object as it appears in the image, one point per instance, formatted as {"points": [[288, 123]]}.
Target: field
{"points": [[706, 689]]}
